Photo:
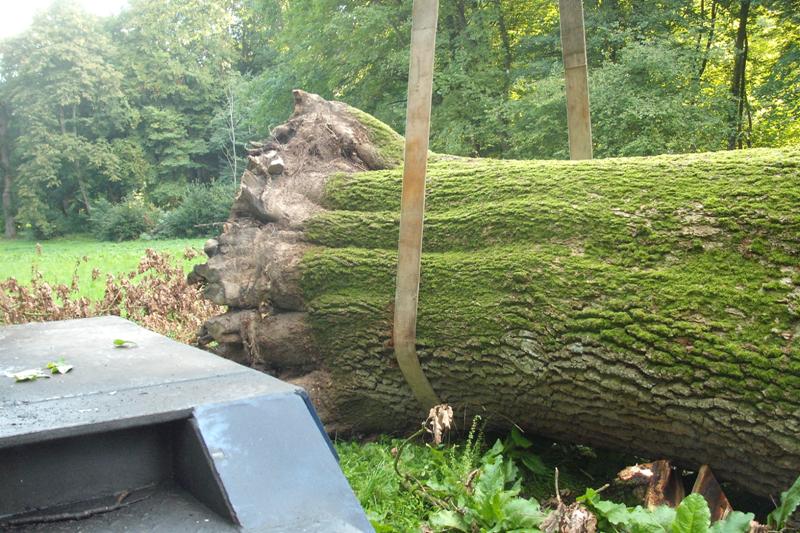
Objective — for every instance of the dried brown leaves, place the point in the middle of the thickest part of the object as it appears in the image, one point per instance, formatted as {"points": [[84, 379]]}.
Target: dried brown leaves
{"points": [[573, 518], [155, 295]]}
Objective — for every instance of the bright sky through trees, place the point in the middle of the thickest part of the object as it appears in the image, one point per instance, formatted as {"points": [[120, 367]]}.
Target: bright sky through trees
{"points": [[16, 16]]}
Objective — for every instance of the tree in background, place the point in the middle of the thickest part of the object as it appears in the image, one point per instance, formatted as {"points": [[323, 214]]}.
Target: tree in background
{"points": [[164, 96], [176, 57], [662, 80], [73, 117], [232, 126], [9, 224], [777, 91]]}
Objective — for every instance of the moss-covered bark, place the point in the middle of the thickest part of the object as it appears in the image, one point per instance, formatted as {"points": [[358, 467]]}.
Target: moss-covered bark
{"points": [[649, 304]]}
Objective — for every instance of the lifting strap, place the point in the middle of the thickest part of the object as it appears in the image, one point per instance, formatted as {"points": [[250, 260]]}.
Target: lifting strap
{"points": [[412, 207]]}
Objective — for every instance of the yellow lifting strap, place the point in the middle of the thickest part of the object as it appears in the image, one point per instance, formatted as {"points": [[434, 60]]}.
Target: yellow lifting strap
{"points": [[576, 77], [412, 207]]}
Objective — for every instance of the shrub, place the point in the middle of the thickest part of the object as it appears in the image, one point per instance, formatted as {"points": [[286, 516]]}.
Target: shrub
{"points": [[201, 213], [124, 221], [167, 194], [55, 224], [156, 295]]}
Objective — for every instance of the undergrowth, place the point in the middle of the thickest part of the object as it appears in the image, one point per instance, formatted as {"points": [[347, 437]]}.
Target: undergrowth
{"points": [[155, 295], [510, 487]]}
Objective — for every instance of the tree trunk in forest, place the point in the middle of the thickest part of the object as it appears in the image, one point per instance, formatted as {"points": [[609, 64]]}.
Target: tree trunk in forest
{"points": [[78, 171], [508, 57], [508, 61], [10, 230], [738, 86], [644, 304], [709, 40], [8, 216]]}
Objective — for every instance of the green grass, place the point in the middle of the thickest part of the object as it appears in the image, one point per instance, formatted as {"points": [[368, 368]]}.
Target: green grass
{"points": [[369, 467], [59, 257]]}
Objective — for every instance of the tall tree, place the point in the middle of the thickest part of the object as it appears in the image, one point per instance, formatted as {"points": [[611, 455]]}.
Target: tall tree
{"points": [[10, 227], [738, 78], [233, 126], [70, 105], [177, 56], [641, 304]]}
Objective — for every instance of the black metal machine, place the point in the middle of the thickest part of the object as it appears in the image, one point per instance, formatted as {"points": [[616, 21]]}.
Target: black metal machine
{"points": [[153, 435]]}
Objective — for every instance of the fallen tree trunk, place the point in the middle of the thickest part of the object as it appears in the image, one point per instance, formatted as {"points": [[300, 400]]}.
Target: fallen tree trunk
{"points": [[645, 304]]}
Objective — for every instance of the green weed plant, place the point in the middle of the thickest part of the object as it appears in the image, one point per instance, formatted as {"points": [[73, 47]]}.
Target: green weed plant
{"points": [[470, 487]]}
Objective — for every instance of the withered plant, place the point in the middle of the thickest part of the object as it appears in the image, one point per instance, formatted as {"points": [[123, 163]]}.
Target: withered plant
{"points": [[156, 295]]}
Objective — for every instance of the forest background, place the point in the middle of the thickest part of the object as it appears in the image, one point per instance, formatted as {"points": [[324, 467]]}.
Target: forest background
{"points": [[136, 124]]}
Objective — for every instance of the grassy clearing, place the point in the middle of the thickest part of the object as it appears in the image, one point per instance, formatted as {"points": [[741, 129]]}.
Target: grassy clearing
{"points": [[59, 257]]}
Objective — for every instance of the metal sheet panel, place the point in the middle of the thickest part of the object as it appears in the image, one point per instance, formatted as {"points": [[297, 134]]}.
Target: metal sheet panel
{"points": [[277, 467]]}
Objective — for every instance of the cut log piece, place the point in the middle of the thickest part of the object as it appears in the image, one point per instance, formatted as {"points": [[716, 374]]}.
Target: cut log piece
{"points": [[656, 483], [707, 486], [645, 304]]}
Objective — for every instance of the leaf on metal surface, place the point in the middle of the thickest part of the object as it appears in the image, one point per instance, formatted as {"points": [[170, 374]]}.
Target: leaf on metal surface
{"points": [[32, 374]]}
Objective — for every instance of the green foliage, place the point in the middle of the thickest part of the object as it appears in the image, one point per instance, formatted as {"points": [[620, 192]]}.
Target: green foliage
{"points": [[659, 78], [176, 56], [736, 522], [790, 500], [124, 221], [192, 210], [493, 504], [201, 212], [167, 195], [518, 448], [67, 99], [369, 469], [465, 487], [691, 516], [169, 91], [616, 517], [55, 223], [664, 104], [367, 69], [458, 487]]}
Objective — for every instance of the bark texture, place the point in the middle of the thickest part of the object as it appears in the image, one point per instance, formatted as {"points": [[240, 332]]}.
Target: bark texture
{"points": [[646, 304]]}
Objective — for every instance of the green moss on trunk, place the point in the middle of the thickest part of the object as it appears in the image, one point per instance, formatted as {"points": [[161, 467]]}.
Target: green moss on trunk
{"points": [[643, 303]]}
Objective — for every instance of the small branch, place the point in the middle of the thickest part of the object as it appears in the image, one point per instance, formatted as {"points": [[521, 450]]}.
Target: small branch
{"points": [[78, 515], [558, 493]]}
